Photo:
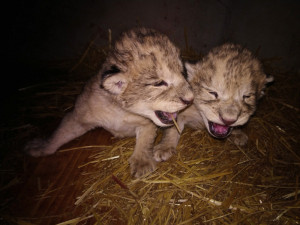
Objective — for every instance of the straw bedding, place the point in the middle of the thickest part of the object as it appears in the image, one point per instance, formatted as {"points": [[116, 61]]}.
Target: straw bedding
{"points": [[208, 181]]}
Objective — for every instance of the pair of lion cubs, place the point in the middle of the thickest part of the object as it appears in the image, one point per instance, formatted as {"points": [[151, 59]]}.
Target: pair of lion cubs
{"points": [[144, 84]]}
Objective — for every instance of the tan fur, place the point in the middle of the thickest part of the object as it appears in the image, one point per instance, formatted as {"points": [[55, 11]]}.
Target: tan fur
{"points": [[141, 75], [227, 84]]}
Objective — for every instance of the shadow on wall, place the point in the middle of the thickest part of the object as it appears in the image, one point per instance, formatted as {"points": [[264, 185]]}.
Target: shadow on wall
{"points": [[54, 30]]}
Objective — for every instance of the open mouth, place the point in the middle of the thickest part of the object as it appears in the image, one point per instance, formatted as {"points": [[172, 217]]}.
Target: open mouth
{"points": [[165, 117], [218, 130]]}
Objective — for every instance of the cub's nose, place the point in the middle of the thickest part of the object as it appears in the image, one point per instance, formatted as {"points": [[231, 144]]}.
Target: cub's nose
{"points": [[187, 101], [228, 122]]}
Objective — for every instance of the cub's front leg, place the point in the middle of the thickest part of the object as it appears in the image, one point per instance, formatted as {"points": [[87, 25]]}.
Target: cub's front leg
{"points": [[167, 146], [141, 161]]}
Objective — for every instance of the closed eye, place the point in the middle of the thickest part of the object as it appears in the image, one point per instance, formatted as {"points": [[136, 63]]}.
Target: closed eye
{"points": [[161, 83], [246, 96], [214, 94]]}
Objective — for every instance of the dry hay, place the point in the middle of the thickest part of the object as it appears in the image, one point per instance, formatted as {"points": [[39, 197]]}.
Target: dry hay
{"points": [[208, 181]]}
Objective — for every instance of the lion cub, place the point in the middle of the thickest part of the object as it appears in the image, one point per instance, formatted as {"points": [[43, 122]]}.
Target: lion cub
{"points": [[227, 84], [139, 86]]}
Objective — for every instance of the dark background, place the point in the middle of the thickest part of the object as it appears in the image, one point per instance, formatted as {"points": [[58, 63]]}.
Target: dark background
{"points": [[41, 32], [38, 36]]}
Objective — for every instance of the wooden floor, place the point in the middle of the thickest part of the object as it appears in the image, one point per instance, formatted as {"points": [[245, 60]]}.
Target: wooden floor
{"points": [[45, 190]]}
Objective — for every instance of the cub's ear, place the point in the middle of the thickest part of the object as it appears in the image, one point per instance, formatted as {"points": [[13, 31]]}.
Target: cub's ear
{"points": [[114, 81], [190, 69], [268, 79]]}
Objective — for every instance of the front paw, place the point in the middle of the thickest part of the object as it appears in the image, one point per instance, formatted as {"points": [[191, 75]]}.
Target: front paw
{"points": [[239, 138], [163, 152], [141, 165]]}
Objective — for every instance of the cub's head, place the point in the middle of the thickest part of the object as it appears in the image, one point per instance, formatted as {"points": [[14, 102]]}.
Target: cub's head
{"points": [[144, 75], [227, 84]]}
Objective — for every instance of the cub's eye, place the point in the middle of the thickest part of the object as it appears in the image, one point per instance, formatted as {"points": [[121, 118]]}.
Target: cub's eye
{"points": [[214, 93], [161, 83], [246, 96]]}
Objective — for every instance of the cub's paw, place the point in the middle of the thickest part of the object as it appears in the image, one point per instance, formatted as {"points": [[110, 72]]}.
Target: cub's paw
{"points": [[163, 152], [141, 165], [239, 138], [36, 148]]}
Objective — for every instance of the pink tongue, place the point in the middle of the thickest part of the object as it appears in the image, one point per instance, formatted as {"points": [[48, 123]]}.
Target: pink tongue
{"points": [[170, 115], [220, 129]]}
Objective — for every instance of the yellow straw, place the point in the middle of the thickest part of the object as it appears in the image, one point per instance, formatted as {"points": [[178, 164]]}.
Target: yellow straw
{"points": [[176, 125]]}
